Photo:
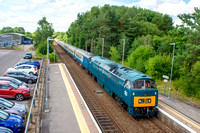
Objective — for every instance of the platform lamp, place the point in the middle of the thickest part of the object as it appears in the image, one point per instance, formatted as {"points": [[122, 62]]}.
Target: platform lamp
{"points": [[47, 77], [171, 70]]}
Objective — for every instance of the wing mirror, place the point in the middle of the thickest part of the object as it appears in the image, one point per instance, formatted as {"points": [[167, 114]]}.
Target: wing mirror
{"points": [[10, 89]]}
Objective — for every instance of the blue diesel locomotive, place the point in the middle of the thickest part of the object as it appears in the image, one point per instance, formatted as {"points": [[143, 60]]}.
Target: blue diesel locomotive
{"points": [[135, 91]]}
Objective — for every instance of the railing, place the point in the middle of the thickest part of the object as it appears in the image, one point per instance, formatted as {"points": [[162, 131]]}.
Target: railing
{"points": [[29, 118]]}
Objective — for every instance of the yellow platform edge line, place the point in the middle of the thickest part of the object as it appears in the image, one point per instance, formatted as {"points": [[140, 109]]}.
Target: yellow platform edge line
{"points": [[185, 118], [79, 116]]}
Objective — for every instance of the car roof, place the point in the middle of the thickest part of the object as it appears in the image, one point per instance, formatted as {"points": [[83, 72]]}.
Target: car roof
{"points": [[13, 71], [25, 65], [4, 82], [2, 77]]}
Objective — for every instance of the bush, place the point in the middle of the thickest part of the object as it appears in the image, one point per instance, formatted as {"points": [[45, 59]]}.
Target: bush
{"points": [[51, 57], [42, 48]]}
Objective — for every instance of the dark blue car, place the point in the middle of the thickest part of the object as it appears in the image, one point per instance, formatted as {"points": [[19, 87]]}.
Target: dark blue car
{"points": [[30, 62], [14, 122]]}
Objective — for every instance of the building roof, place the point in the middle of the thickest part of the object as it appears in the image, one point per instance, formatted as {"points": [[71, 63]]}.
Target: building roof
{"points": [[18, 34]]}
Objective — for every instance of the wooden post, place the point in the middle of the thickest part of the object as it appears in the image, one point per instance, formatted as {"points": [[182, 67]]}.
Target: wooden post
{"points": [[178, 92]]}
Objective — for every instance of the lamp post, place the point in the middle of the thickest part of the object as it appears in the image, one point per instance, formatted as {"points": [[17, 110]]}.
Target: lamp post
{"points": [[47, 77], [171, 70], [102, 46], [123, 51]]}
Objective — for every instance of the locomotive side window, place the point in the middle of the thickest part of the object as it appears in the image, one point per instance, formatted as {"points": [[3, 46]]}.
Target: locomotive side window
{"points": [[127, 84], [144, 84]]}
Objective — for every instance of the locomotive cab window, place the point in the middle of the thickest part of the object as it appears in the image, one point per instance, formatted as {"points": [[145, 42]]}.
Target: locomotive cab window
{"points": [[144, 84]]}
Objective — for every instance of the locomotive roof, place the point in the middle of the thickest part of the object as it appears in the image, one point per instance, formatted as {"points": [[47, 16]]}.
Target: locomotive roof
{"points": [[85, 53], [119, 70]]}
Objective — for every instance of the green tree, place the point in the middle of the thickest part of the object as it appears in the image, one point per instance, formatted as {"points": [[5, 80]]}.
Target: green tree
{"points": [[196, 78], [7, 30], [137, 58], [115, 56], [193, 21], [28, 34], [43, 32], [158, 66], [20, 30]]}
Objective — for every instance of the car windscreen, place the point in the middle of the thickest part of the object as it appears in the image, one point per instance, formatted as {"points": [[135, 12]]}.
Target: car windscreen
{"points": [[6, 103], [17, 81], [13, 85], [26, 74], [28, 53], [3, 115]]}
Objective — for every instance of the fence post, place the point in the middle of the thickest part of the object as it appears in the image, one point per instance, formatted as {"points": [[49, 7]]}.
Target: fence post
{"points": [[178, 92]]}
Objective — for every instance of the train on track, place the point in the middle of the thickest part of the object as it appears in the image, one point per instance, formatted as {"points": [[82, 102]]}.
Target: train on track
{"points": [[135, 91]]}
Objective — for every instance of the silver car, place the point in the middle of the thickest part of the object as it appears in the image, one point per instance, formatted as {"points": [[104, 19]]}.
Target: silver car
{"points": [[13, 108]]}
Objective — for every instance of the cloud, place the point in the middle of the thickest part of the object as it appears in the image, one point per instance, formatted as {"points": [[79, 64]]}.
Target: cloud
{"points": [[18, 7], [39, 1]]}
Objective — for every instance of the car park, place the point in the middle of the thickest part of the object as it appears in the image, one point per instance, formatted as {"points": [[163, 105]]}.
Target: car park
{"points": [[13, 108], [5, 130], [21, 76], [10, 90], [14, 80], [30, 62], [11, 121], [30, 69], [28, 55]]}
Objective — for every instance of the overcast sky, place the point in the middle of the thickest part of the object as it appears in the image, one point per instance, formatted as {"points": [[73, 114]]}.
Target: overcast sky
{"points": [[26, 13]]}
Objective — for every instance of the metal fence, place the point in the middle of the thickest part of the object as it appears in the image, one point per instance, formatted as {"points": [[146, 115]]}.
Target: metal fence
{"points": [[190, 100], [29, 118]]}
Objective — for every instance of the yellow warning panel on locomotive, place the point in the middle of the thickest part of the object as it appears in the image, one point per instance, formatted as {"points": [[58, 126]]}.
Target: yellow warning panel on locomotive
{"points": [[144, 101]]}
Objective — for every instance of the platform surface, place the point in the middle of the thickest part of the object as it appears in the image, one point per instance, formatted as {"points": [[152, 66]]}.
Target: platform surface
{"points": [[67, 110], [187, 114]]}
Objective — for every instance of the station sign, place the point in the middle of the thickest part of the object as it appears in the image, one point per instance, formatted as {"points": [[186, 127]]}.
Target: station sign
{"points": [[165, 77], [165, 80]]}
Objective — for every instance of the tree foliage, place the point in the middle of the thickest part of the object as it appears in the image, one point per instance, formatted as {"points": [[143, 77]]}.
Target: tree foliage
{"points": [[44, 31]]}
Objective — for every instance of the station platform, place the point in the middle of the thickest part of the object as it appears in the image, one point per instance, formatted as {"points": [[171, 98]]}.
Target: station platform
{"points": [[69, 113], [185, 113], [67, 109]]}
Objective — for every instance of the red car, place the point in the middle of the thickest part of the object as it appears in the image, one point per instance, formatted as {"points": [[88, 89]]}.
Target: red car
{"points": [[9, 89]]}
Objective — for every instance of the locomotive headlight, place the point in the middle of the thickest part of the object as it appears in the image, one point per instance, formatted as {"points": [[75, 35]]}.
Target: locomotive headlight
{"points": [[148, 100], [141, 101]]}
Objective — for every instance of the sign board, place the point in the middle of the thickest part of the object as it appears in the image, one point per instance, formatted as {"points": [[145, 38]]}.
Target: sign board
{"points": [[165, 80], [165, 77]]}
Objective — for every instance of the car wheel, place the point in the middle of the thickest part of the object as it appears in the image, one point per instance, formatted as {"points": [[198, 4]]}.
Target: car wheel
{"points": [[19, 97], [30, 81], [31, 73]]}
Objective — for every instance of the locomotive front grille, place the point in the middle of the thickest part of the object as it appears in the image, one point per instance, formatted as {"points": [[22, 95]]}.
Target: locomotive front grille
{"points": [[144, 101]]}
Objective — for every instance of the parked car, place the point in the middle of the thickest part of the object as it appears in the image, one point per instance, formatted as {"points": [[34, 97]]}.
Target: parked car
{"points": [[28, 55], [14, 80], [11, 121], [13, 108], [5, 130], [30, 69], [8, 89], [21, 76], [30, 62]]}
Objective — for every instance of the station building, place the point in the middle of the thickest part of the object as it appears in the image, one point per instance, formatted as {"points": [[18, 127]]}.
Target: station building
{"points": [[9, 39]]}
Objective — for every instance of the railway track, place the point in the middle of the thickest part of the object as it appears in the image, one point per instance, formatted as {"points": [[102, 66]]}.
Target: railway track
{"points": [[102, 104]]}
